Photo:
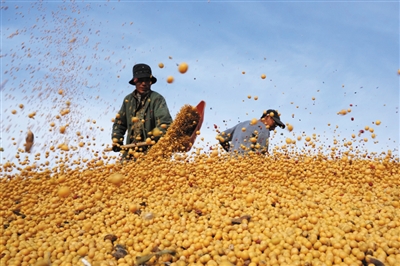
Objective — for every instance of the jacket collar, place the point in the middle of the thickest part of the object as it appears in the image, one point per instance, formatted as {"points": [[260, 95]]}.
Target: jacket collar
{"points": [[137, 95]]}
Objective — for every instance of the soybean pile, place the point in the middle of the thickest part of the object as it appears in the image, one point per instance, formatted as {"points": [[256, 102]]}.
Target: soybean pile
{"points": [[205, 209]]}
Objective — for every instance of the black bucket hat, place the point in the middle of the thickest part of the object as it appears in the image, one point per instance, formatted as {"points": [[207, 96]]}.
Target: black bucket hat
{"points": [[275, 116], [142, 71]]}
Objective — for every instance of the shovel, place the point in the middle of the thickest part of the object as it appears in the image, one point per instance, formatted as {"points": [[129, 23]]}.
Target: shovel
{"points": [[200, 109]]}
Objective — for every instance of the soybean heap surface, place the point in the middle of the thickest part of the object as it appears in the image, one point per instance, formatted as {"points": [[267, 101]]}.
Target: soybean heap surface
{"points": [[205, 210]]}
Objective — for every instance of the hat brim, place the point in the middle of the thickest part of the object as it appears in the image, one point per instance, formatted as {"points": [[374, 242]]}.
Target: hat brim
{"points": [[153, 79], [278, 122]]}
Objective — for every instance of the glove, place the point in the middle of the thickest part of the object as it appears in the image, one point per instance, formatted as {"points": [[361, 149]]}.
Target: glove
{"points": [[117, 147], [226, 145]]}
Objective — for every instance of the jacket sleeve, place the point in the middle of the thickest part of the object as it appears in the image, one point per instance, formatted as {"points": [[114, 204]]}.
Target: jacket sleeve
{"points": [[161, 114], [120, 124]]}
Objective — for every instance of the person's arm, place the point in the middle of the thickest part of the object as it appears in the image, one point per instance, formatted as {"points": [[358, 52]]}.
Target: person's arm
{"points": [[119, 128], [265, 144], [225, 145], [162, 115], [225, 137]]}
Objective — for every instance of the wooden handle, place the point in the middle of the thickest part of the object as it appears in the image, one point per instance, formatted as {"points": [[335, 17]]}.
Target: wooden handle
{"points": [[133, 145]]}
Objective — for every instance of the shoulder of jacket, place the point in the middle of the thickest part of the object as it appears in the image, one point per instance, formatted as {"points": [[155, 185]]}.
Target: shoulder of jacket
{"points": [[155, 95], [244, 123], [130, 95]]}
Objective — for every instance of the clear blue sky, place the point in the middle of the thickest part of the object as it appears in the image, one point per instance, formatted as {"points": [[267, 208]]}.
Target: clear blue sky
{"points": [[344, 54]]}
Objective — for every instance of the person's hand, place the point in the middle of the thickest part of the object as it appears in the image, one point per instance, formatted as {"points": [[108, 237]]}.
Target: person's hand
{"points": [[226, 145], [117, 147]]}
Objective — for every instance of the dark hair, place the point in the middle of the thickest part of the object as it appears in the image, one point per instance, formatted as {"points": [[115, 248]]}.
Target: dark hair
{"points": [[275, 116], [264, 114]]}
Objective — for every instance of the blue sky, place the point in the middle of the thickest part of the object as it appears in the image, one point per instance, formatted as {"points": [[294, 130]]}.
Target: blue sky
{"points": [[342, 54]]}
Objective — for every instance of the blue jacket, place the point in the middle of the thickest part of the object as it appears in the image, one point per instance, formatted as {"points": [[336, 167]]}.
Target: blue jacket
{"points": [[252, 138]]}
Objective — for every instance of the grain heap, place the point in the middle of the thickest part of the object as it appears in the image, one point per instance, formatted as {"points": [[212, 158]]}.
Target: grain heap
{"points": [[209, 210]]}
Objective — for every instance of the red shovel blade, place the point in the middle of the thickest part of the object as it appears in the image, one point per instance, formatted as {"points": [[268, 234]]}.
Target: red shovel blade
{"points": [[200, 109]]}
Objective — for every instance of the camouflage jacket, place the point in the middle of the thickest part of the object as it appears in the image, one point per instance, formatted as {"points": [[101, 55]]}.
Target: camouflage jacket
{"points": [[140, 117]]}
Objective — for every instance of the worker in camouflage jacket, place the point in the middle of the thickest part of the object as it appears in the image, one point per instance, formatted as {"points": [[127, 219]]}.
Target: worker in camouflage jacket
{"points": [[144, 113]]}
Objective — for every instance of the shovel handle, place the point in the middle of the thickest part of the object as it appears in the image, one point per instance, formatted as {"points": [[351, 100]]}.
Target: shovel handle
{"points": [[133, 145]]}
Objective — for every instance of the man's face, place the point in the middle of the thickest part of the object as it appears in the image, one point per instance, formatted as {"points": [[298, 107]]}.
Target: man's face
{"points": [[143, 85], [270, 123]]}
